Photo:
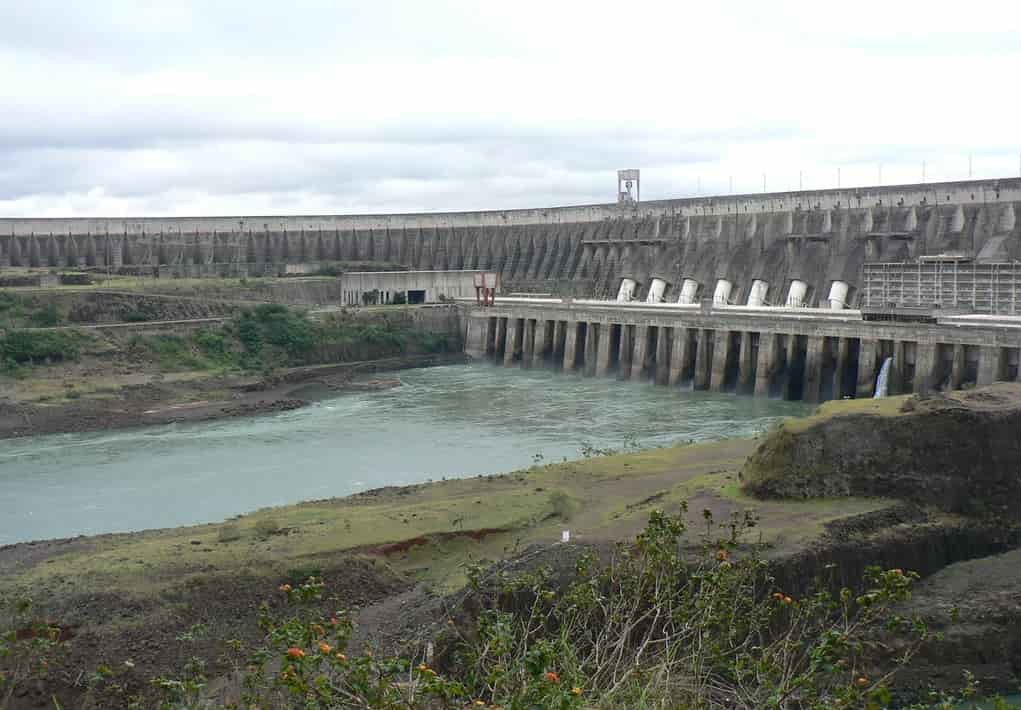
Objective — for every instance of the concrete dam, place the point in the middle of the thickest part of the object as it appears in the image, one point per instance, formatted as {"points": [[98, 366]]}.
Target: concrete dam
{"points": [[800, 294]]}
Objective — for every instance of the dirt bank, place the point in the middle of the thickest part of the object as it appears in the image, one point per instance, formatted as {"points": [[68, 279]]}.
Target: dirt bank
{"points": [[959, 452], [163, 400]]}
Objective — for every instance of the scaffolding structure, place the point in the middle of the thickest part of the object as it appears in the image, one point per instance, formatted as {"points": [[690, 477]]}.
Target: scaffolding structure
{"points": [[950, 285]]}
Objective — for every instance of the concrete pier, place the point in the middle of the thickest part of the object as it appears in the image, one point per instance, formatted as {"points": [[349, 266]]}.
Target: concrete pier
{"points": [[663, 342], [798, 354], [571, 346], [721, 351], [641, 351], [603, 351], [703, 356]]}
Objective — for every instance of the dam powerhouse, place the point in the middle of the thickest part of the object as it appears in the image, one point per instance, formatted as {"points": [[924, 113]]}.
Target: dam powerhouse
{"points": [[806, 295]]}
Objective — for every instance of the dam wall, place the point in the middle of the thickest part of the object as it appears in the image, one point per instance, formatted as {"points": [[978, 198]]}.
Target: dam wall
{"points": [[803, 354], [815, 237]]}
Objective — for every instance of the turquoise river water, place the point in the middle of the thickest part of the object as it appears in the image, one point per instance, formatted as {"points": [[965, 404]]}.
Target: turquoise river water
{"points": [[459, 420]]}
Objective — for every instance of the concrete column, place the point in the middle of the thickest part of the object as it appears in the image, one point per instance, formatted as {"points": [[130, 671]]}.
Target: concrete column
{"points": [[591, 345], [475, 339], [500, 341], [988, 364], [513, 341], [925, 367], [680, 354], [543, 341], [662, 356], [626, 350], [570, 346], [701, 379], [528, 343], [559, 336], [957, 371], [792, 365], [843, 354], [745, 364], [895, 384], [603, 351], [867, 354], [765, 368], [813, 368], [721, 352], [641, 351]]}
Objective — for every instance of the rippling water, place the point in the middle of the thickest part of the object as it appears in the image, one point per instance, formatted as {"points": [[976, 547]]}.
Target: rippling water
{"points": [[445, 421]]}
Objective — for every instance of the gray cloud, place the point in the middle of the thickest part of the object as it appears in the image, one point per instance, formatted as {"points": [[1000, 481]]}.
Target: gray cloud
{"points": [[186, 107]]}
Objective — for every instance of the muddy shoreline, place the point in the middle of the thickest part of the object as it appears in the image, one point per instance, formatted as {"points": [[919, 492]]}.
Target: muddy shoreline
{"points": [[208, 399]]}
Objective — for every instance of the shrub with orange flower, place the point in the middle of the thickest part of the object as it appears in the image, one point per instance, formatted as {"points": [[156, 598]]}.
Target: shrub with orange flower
{"points": [[295, 652]]}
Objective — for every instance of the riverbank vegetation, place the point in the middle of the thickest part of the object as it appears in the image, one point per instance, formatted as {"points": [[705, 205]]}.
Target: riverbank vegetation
{"points": [[667, 621], [262, 337]]}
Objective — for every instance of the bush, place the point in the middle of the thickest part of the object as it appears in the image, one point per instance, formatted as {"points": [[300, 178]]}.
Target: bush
{"points": [[654, 628], [229, 532], [562, 504], [267, 527], [46, 317], [29, 346]]}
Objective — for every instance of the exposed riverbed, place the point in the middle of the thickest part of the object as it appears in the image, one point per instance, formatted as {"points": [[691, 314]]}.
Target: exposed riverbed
{"points": [[447, 421]]}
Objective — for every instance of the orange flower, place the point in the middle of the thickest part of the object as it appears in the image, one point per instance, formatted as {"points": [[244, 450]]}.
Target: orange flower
{"points": [[721, 555], [324, 647], [285, 588], [552, 677], [575, 690], [778, 596], [342, 658], [862, 682], [295, 652], [788, 600]]}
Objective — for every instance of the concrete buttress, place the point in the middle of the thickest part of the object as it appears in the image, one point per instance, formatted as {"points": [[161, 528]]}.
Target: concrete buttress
{"points": [[662, 355], [925, 367], [769, 348], [571, 346], [641, 351], [721, 351], [680, 354], [603, 351], [513, 346], [988, 364], [702, 364], [746, 364], [813, 369], [528, 343], [867, 367]]}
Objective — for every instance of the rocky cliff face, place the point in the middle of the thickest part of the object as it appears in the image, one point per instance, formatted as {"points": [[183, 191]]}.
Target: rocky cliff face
{"points": [[960, 453]]}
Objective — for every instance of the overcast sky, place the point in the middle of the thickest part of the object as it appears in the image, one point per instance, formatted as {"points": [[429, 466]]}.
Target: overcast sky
{"points": [[114, 108]]}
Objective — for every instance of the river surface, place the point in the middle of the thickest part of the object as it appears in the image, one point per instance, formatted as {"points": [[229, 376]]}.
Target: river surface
{"points": [[458, 420]]}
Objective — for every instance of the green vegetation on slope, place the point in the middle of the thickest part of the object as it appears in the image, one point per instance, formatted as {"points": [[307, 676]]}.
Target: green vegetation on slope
{"points": [[264, 337], [272, 335], [24, 311]]}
